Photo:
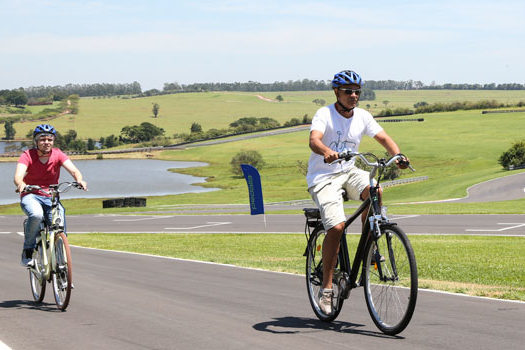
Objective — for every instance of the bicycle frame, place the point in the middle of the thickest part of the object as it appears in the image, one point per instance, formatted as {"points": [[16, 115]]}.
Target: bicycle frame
{"points": [[47, 234]]}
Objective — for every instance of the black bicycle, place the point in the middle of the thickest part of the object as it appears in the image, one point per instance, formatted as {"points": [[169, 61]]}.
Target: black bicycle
{"points": [[384, 255]]}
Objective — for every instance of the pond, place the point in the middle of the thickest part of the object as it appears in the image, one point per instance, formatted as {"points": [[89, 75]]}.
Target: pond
{"points": [[111, 178], [9, 146]]}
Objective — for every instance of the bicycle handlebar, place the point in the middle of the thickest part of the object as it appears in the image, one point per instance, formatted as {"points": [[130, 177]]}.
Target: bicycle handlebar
{"points": [[379, 162], [58, 188]]}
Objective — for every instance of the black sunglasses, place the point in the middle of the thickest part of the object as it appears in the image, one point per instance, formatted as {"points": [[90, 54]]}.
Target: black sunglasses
{"points": [[351, 91]]}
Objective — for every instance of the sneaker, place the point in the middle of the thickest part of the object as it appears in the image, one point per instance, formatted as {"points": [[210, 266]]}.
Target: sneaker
{"points": [[325, 300], [27, 258]]}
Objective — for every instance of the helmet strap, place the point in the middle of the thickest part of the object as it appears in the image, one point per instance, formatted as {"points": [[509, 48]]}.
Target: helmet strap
{"points": [[343, 107]]}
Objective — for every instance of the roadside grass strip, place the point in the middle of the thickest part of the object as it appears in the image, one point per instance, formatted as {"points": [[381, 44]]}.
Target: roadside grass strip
{"points": [[486, 266]]}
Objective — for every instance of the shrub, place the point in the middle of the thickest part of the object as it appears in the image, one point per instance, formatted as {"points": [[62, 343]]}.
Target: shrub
{"points": [[253, 158], [514, 157], [195, 128]]}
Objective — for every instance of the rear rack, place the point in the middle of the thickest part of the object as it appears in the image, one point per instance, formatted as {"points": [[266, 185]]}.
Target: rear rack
{"points": [[313, 219]]}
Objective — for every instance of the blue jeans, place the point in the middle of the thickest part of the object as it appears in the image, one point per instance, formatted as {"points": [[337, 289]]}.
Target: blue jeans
{"points": [[37, 208]]}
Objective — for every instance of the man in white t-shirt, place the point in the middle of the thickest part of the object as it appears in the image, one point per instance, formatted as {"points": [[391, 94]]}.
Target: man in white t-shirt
{"points": [[336, 128]]}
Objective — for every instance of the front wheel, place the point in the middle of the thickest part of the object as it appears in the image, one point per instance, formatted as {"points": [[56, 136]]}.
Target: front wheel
{"points": [[314, 277], [390, 280], [36, 274], [62, 275]]}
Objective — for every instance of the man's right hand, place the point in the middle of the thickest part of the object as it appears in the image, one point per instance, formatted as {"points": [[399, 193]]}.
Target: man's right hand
{"points": [[330, 156]]}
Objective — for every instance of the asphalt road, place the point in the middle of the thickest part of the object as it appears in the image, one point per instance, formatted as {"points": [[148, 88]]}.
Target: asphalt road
{"points": [[129, 301], [411, 224]]}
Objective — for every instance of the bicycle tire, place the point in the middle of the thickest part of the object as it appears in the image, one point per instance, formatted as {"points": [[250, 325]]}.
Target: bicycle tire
{"points": [[62, 272], [37, 281], [391, 301], [314, 277]]}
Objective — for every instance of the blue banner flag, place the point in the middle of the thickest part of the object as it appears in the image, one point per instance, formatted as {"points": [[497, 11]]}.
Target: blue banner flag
{"points": [[254, 189]]}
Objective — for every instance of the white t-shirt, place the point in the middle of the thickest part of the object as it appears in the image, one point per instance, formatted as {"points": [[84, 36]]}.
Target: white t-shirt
{"points": [[340, 134]]}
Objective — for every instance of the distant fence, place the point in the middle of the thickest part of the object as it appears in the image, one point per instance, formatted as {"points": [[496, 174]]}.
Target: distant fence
{"points": [[505, 111], [403, 181], [401, 120], [512, 167]]}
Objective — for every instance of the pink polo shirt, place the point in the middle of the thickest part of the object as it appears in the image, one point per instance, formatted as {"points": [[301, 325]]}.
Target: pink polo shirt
{"points": [[42, 174]]}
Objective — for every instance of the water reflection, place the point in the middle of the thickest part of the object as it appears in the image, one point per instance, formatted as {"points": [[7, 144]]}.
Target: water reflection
{"points": [[111, 178]]}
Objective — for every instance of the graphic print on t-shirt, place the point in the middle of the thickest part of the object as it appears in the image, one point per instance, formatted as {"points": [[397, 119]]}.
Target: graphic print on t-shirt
{"points": [[342, 145]]}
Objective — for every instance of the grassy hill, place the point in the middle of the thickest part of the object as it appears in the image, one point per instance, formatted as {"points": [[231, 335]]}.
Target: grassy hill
{"points": [[455, 150], [100, 117]]}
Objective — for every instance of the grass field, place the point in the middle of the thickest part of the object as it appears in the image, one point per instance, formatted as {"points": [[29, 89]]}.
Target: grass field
{"points": [[100, 117], [455, 150], [483, 266]]}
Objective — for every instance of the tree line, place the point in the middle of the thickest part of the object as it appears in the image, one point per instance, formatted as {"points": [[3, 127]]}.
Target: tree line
{"points": [[134, 89], [418, 85], [83, 90]]}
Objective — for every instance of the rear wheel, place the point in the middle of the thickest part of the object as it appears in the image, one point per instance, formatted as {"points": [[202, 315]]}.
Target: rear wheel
{"points": [[36, 275], [390, 280], [62, 275], [314, 277]]}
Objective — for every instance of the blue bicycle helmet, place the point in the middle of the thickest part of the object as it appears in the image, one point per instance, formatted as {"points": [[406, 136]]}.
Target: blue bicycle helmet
{"points": [[44, 129], [346, 77]]}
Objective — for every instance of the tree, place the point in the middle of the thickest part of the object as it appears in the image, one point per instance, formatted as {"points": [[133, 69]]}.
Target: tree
{"points": [[514, 156], [196, 128], [140, 133], [70, 137], [9, 130], [253, 158], [155, 110], [279, 98], [90, 144], [111, 141], [16, 97]]}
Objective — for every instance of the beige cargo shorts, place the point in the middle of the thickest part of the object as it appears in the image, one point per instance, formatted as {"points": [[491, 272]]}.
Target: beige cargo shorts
{"points": [[327, 195]]}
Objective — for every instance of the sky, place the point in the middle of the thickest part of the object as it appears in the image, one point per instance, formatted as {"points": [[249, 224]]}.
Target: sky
{"points": [[55, 42]]}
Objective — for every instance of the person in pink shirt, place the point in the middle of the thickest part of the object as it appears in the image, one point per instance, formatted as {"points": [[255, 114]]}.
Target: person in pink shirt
{"points": [[40, 166]]}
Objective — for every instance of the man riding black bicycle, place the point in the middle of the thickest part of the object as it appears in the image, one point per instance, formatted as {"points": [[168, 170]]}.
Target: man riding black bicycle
{"points": [[40, 166], [336, 128]]}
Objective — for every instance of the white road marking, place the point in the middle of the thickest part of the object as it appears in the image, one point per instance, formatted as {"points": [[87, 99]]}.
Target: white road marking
{"points": [[513, 226], [144, 219], [3, 346], [400, 217], [20, 234], [4, 233], [209, 224]]}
